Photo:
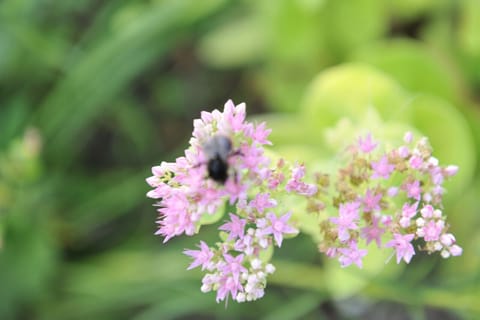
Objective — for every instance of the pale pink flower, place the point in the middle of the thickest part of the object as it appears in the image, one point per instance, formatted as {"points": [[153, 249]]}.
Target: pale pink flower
{"points": [[408, 137], [235, 227], [451, 170], [382, 169], [408, 212], [371, 201], [278, 226], [201, 257], [403, 246], [373, 232], [413, 190], [295, 184], [415, 162], [456, 250], [262, 201], [351, 254], [432, 230], [348, 215], [367, 145]]}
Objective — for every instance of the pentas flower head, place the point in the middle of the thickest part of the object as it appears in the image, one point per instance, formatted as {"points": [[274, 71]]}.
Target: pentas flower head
{"points": [[225, 162]]}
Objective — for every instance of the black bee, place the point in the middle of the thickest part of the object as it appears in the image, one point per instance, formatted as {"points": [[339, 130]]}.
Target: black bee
{"points": [[218, 149]]}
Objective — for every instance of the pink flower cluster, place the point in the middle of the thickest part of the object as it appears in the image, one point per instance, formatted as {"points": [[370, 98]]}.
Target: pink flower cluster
{"points": [[393, 196], [187, 192]]}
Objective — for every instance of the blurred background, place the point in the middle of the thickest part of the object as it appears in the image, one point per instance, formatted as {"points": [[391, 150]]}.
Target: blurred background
{"points": [[94, 93]]}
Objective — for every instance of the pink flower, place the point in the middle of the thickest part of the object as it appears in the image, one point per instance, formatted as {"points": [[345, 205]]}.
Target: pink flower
{"points": [[278, 226], [432, 230], [236, 190], [371, 202], [202, 257], [403, 246], [367, 145], [295, 184], [451, 170], [261, 133], [228, 285], [382, 169], [392, 191], [235, 227], [373, 232], [234, 116], [408, 212], [263, 201], [415, 162], [413, 190], [403, 152], [456, 250], [348, 214], [427, 211], [351, 255], [233, 266], [408, 137]]}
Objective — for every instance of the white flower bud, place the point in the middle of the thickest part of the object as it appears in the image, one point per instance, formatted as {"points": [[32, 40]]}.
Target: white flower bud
{"points": [[270, 268], [445, 254], [240, 297], [256, 263], [433, 161], [420, 232], [206, 288], [420, 222], [437, 246]]}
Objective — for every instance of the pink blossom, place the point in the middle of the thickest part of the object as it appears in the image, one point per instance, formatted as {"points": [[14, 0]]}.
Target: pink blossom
{"points": [[233, 265], [234, 115], [451, 170], [235, 190], [278, 226], [413, 190], [403, 246], [295, 184], [371, 201], [456, 250], [408, 137], [427, 211], [261, 133], [408, 212], [228, 285], [382, 169], [351, 255], [403, 152], [447, 239], [432, 230], [373, 232], [367, 145], [415, 162], [263, 201], [235, 227], [392, 191], [201, 257], [348, 214]]}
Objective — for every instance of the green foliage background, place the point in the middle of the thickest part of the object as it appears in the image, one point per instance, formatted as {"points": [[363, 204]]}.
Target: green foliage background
{"points": [[94, 93]]}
